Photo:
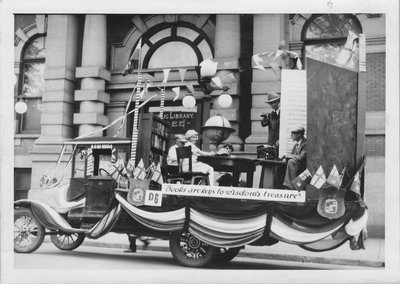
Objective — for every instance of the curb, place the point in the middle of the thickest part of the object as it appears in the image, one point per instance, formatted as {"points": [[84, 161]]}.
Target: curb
{"points": [[271, 256]]}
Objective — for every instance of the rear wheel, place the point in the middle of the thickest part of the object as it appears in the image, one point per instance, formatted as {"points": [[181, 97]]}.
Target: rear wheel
{"points": [[65, 241], [190, 251], [226, 255], [28, 233]]}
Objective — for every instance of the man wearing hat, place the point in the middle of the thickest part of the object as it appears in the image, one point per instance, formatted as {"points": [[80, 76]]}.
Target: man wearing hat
{"points": [[296, 160], [272, 119]]}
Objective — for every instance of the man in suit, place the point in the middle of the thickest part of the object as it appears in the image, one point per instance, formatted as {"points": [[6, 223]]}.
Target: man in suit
{"points": [[296, 160], [272, 119]]}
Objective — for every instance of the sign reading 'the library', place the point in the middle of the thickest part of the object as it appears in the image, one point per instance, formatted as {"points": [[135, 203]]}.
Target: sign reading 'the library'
{"points": [[180, 119]]}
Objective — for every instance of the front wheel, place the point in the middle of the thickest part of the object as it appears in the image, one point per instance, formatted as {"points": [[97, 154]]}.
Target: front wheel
{"points": [[28, 232], [190, 251], [65, 241]]}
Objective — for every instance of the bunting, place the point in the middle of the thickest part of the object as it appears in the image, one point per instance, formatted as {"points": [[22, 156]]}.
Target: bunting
{"points": [[182, 72], [166, 74], [217, 81], [319, 179], [190, 88], [176, 90]]}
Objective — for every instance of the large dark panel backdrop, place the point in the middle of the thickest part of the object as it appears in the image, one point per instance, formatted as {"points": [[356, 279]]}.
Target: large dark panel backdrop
{"points": [[331, 119]]}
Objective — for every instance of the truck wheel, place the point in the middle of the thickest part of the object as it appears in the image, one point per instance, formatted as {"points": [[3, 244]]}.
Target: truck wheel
{"points": [[190, 251], [28, 232], [226, 255], [65, 241]]}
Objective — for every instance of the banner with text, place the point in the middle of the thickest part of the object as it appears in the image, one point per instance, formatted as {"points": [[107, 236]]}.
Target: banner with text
{"points": [[234, 192], [293, 106]]}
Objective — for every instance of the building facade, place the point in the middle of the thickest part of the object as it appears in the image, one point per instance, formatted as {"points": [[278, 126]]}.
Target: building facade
{"points": [[69, 70]]}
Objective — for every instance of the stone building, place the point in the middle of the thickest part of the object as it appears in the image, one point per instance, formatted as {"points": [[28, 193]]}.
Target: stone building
{"points": [[69, 70]]}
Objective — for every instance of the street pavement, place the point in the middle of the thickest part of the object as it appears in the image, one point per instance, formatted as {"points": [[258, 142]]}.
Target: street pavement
{"points": [[371, 256]]}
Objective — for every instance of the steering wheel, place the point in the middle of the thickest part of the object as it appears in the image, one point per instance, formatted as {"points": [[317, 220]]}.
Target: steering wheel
{"points": [[101, 170]]}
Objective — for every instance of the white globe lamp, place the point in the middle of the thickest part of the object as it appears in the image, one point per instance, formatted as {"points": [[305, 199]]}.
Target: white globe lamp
{"points": [[225, 100], [21, 107], [189, 101]]}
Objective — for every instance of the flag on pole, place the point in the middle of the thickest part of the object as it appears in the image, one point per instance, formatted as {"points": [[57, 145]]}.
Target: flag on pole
{"points": [[319, 178], [157, 176], [302, 180], [140, 171], [355, 185], [133, 62], [334, 177], [176, 91]]}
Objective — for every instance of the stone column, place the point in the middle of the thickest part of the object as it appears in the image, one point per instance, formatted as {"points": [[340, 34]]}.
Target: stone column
{"points": [[58, 102], [269, 31], [94, 76], [227, 53]]}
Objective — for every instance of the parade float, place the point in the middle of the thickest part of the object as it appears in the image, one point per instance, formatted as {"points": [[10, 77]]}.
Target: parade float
{"points": [[122, 185]]}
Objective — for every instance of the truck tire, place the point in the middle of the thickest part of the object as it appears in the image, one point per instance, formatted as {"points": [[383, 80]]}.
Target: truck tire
{"points": [[226, 255], [65, 241], [28, 232], [190, 251]]}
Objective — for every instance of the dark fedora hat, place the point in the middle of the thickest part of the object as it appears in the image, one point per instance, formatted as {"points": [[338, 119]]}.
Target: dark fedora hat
{"points": [[272, 97]]}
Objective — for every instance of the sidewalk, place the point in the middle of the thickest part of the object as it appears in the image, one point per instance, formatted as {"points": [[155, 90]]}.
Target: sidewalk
{"points": [[372, 256]]}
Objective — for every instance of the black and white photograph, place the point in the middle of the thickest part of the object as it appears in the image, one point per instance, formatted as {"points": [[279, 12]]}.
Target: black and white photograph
{"points": [[199, 141]]}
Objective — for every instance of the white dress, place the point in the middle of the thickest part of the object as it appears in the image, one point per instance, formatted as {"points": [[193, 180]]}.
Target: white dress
{"points": [[198, 166]]}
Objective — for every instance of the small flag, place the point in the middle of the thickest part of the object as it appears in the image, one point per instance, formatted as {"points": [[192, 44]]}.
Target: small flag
{"points": [[230, 76], [140, 171], [130, 166], [150, 170], [144, 90], [182, 73], [166, 74], [157, 176], [176, 91], [355, 185], [302, 180], [133, 62], [319, 178], [334, 177]]}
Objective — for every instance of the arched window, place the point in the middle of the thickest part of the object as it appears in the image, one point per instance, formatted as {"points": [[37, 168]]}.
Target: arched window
{"points": [[324, 37], [177, 44], [31, 86]]}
